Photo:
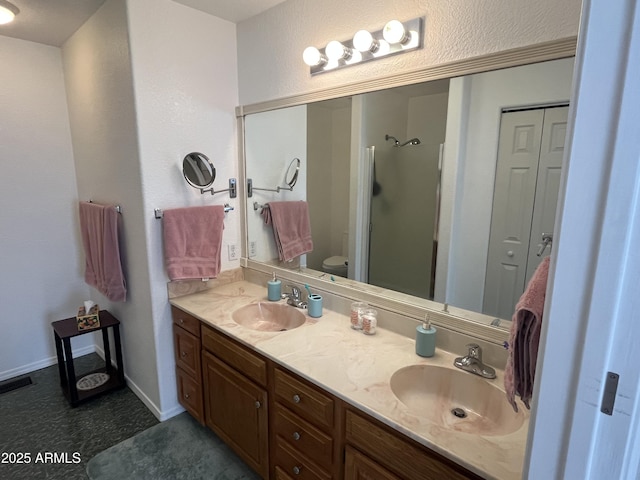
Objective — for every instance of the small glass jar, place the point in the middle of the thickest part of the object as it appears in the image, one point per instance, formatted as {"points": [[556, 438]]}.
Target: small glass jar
{"points": [[356, 314], [369, 321]]}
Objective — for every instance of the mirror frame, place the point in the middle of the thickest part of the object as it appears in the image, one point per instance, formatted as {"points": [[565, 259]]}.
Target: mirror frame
{"points": [[463, 321]]}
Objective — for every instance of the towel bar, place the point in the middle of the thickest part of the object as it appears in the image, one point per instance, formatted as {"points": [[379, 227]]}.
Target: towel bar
{"points": [[117, 207], [158, 213]]}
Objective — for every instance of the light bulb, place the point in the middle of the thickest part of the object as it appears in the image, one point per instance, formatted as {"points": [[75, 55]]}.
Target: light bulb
{"points": [[363, 41], [313, 57], [336, 50], [394, 32], [8, 12]]}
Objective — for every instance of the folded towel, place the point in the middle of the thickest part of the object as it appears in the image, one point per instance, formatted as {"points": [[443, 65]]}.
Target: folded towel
{"points": [[99, 226], [291, 228], [524, 338], [193, 241]]}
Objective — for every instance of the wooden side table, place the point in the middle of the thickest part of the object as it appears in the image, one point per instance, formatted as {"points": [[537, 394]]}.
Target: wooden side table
{"points": [[63, 331]]}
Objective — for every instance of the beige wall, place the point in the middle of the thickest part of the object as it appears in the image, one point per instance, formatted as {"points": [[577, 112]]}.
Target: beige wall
{"points": [[270, 45]]}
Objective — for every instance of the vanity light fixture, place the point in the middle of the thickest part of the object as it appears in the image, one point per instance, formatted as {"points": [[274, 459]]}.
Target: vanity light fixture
{"points": [[394, 38], [8, 12]]}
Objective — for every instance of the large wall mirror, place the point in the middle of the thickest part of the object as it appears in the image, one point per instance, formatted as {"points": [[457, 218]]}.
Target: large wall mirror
{"points": [[439, 190]]}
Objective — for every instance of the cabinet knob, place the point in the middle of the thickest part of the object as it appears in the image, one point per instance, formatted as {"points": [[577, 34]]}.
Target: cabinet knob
{"points": [[187, 396], [181, 321], [510, 253], [296, 398], [183, 354], [296, 470], [296, 436], [258, 404]]}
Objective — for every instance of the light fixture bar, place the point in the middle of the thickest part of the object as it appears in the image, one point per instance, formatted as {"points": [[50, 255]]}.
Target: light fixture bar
{"points": [[377, 47]]}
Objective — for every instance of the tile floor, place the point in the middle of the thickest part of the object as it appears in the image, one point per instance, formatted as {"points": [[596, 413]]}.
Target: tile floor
{"points": [[38, 420]]}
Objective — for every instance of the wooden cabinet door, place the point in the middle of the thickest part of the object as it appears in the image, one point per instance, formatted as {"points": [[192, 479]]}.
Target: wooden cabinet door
{"points": [[236, 410], [360, 467]]}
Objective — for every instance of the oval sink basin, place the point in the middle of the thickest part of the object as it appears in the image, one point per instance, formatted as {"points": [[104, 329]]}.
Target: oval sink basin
{"points": [[455, 399], [268, 317]]}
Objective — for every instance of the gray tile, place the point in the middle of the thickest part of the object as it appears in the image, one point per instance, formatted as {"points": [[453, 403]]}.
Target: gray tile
{"points": [[37, 419]]}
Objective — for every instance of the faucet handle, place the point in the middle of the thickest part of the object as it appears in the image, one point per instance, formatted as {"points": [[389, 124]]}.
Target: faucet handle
{"points": [[295, 291], [475, 351]]}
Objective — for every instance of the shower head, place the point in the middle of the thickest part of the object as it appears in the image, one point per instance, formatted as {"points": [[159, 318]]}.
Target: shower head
{"points": [[413, 141], [396, 142]]}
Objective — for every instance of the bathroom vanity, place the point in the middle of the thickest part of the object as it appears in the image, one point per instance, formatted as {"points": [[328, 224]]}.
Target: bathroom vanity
{"points": [[316, 401]]}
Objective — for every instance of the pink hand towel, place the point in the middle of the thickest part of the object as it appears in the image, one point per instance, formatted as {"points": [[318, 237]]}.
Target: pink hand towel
{"points": [[524, 338], [291, 228], [99, 226], [193, 241]]}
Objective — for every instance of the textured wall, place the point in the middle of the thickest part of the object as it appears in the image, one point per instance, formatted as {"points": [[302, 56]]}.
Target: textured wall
{"points": [[41, 269], [105, 146], [184, 77], [270, 45]]}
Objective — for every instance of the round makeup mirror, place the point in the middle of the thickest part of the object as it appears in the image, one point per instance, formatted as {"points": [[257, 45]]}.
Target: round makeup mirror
{"points": [[198, 171], [291, 177]]}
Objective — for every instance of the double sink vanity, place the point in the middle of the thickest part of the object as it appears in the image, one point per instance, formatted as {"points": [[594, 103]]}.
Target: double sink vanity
{"points": [[298, 397]]}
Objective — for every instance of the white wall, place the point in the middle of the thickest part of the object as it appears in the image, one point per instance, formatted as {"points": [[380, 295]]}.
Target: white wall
{"points": [[270, 45], [185, 83], [103, 122], [41, 269]]}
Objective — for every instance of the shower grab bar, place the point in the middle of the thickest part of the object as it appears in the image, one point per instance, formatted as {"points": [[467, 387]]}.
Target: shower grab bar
{"points": [[158, 213], [547, 239]]}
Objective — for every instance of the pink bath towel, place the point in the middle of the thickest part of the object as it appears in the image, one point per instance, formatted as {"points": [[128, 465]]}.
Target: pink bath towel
{"points": [[291, 228], [524, 338], [99, 226], [193, 241]]}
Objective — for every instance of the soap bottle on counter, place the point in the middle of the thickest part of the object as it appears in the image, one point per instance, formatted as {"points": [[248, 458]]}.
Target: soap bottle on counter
{"points": [[426, 339], [274, 289]]}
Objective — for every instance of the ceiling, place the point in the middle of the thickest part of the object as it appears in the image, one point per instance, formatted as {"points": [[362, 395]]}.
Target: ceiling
{"points": [[52, 22]]}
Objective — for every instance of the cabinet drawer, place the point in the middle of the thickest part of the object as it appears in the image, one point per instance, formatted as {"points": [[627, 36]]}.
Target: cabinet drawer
{"points": [[303, 399], [392, 451], [190, 323], [187, 352], [235, 355], [190, 395], [360, 467], [303, 436], [296, 465]]}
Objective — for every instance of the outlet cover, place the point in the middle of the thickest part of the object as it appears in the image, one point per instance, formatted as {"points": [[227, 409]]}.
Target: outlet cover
{"points": [[253, 248], [233, 252]]}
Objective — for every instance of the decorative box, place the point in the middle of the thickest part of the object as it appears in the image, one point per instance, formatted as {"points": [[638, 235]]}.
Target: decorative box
{"points": [[88, 320]]}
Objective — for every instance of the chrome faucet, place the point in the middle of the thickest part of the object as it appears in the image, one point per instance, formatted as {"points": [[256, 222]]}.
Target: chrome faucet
{"points": [[294, 297], [472, 362]]}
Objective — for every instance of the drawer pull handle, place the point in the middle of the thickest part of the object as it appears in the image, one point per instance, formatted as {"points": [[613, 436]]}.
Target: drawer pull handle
{"points": [[184, 354], [296, 436], [296, 470], [258, 404], [296, 398]]}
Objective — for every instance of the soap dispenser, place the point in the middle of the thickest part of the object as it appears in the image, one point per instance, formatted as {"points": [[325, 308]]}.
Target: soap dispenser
{"points": [[274, 287], [426, 338]]}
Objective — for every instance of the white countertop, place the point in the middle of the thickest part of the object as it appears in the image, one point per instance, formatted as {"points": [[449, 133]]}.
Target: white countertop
{"points": [[357, 368]]}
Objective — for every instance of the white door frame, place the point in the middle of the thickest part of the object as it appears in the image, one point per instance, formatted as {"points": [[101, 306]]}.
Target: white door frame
{"points": [[592, 323]]}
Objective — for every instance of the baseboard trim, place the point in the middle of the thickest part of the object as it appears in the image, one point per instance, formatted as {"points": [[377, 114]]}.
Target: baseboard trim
{"points": [[44, 363]]}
